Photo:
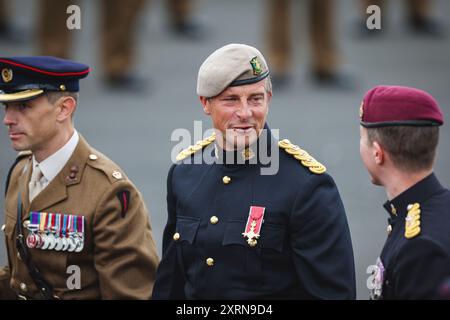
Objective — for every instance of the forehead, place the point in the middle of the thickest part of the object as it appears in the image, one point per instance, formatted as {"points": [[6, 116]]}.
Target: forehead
{"points": [[258, 87]]}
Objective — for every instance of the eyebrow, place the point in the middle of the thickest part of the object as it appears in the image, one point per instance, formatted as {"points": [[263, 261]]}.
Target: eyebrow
{"points": [[234, 95], [229, 95], [257, 94]]}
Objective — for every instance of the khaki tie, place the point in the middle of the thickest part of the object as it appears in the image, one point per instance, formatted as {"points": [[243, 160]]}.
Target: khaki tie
{"points": [[35, 186]]}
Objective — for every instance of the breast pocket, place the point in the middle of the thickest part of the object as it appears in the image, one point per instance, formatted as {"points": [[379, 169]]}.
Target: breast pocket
{"points": [[187, 228], [271, 236], [250, 262], [233, 233]]}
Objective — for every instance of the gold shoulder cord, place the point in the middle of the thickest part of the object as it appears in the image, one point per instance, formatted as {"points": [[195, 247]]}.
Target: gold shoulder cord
{"points": [[412, 223], [196, 147], [302, 156]]}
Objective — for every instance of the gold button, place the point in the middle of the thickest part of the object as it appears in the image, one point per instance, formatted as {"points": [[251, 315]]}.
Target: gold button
{"points": [[3, 227], [176, 236], [26, 223], [210, 262], [226, 179], [62, 87], [393, 210], [93, 157], [23, 287], [214, 220]]}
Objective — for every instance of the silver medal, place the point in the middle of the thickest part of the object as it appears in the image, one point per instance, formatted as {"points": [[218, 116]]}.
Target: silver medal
{"points": [[59, 244], [52, 241], [72, 244], [46, 241], [65, 243]]}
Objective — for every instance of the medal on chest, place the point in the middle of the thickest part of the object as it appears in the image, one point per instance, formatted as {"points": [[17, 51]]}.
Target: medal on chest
{"points": [[55, 231], [253, 226]]}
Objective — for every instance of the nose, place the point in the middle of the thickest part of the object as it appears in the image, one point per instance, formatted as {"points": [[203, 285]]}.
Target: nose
{"points": [[244, 112], [9, 118]]}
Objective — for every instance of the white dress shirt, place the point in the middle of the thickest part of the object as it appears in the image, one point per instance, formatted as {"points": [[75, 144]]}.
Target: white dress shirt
{"points": [[51, 166]]}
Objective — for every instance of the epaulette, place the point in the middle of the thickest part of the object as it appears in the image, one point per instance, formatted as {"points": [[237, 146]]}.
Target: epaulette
{"points": [[412, 223], [301, 155], [99, 161], [20, 156], [196, 147]]}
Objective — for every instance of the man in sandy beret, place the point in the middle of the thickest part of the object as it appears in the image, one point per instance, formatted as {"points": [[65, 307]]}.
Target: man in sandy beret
{"points": [[235, 232]]}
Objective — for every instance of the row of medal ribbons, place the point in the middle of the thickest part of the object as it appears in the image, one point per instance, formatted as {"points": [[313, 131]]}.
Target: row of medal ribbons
{"points": [[56, 231]]}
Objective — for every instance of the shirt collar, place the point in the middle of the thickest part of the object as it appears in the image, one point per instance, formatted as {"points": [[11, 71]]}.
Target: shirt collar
{"points": [[420, 192], [51, 166]]}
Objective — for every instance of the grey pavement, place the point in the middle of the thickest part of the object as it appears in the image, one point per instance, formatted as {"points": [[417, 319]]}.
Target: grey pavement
{"points": [[135, 130]]}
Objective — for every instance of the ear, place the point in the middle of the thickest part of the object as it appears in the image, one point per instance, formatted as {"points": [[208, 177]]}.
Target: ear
{"points": [[378, 153], [67, 106], [206, 105], [269, 99]]}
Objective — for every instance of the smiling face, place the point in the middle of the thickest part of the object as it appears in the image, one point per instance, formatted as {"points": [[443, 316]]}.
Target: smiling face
{"points": [[239, 113]]}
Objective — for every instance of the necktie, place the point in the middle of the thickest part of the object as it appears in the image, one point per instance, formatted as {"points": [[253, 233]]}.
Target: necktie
{"points": [[35, 186]]}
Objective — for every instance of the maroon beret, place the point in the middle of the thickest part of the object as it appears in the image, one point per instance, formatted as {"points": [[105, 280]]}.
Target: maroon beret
{"points": [[385, 106]]}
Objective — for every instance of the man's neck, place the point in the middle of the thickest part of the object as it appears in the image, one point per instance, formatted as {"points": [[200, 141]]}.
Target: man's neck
{"points": [[53, 146], [400, 181]]}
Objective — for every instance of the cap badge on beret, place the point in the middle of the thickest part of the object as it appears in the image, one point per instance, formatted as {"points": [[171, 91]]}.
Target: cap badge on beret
{"points": [[361, 110], [256, 66], [7, 75]]}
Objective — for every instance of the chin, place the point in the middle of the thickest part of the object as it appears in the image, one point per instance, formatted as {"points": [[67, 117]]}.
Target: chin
{"points": [[244, 142], [17, 147], [375, 181]]}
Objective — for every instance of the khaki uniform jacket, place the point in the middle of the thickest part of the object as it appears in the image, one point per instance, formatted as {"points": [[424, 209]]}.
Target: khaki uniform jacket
{"points": [[119, 257]]}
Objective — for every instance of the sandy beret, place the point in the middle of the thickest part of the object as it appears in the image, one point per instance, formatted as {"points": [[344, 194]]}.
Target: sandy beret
{"points": [[231, 65], [385, 106]]}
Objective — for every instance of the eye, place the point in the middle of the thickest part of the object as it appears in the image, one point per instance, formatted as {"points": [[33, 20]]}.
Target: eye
{"points": [[257, 99], [22, 106]]}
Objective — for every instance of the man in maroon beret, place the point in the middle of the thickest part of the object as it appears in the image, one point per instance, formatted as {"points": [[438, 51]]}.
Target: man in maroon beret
{"points": [[399, 136]]}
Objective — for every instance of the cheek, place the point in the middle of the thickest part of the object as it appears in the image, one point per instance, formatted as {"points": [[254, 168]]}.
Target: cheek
{"points": [[43, 125], [221, 117], [366, 157], [260, 114], [361, 150]]}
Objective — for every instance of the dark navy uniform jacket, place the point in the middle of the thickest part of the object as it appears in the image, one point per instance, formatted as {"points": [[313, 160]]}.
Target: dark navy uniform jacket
{"points": [[416, 267], [304, 251]]}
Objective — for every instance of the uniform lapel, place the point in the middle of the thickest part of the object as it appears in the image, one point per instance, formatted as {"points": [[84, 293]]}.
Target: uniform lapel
{"points": [[23, 185], [56, 191]]}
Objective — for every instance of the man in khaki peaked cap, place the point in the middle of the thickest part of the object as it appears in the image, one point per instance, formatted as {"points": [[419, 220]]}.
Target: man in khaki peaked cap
{"points": [[76, 227], [235, 231]]}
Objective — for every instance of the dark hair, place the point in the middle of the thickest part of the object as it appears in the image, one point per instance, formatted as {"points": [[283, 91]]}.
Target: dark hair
{"points": [[411, 148]]}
